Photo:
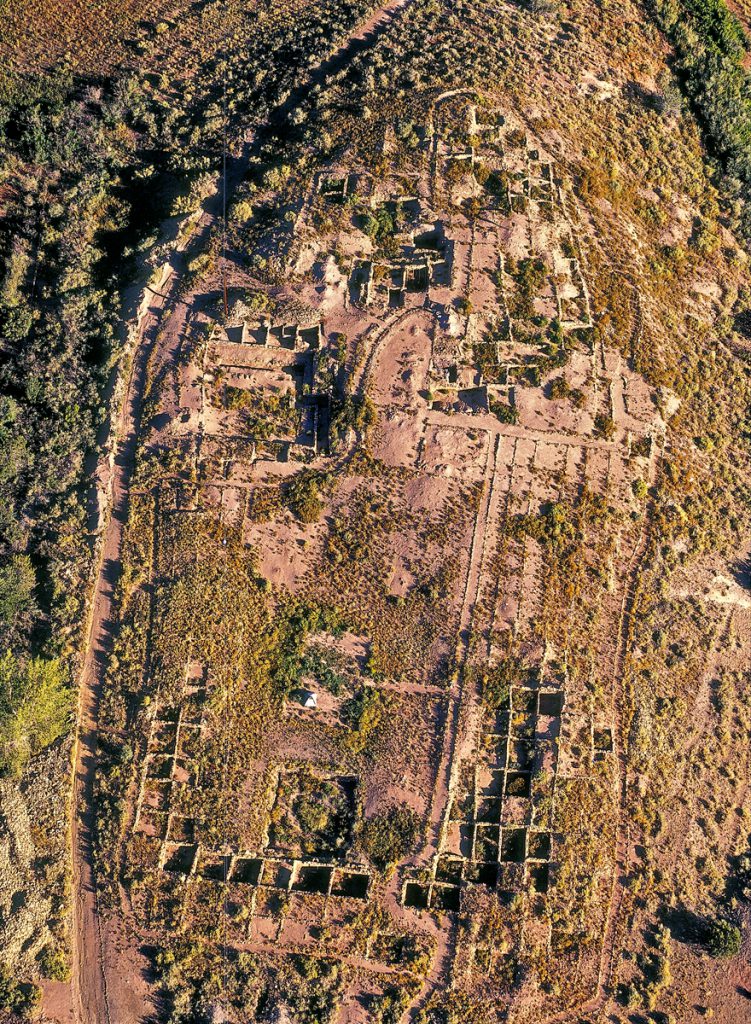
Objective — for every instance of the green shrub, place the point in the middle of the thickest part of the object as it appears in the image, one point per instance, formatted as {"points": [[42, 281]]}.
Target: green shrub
{"points": [[353, 413], [53, 963], [505, 413], [711, 48], [380, 226], [723, 938], [18, 997], [365, 713], [497, 682], [529, 276], [387, 838], [604, 426], [17, 583], [35, 706], [302, 496]]}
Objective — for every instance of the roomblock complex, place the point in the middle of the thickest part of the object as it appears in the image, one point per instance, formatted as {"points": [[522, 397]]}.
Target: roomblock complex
{"points": [[492, 481]]}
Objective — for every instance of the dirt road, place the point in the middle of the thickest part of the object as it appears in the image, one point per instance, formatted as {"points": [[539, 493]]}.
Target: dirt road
{"points": [[90, 997], [91, 993]]}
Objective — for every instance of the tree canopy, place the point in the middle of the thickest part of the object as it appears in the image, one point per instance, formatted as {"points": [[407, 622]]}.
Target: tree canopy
{"points": [[35, 708]]}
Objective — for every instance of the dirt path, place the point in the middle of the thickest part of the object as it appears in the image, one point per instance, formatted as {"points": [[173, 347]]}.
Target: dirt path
{"points": [[447, 768], [90, 997], [494, 427], [441, 970], [463, 715], [91, 994], [97, 940], [89, 978]]}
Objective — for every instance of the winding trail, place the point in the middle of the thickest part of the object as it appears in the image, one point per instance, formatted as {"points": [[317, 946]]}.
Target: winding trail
{"points": [[89, 978], [89, 983]]}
